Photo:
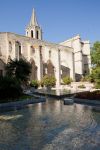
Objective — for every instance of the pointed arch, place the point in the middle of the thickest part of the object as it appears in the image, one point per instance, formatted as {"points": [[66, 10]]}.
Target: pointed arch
{"points": [[9, 58], [32, 34], [44, 69], [32, 50], [2, 67], [33, 75], [18, 53], [33, 28], [10, 46], [0, 52], [65, 71], [48, 68], [37, 34]]}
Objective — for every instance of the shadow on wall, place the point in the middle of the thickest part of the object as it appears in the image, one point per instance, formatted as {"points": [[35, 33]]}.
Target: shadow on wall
{"points": [[65, 71], [78, 77], [33, 75], [48, 68], [2, 68]]}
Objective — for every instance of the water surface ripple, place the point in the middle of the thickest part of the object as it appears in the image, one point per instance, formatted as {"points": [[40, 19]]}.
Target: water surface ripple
{"points": [[50, 126]]}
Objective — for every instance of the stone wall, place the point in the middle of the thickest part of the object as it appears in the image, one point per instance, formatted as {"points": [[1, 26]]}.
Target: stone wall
{"points": [[38, 51], [81, 49]]}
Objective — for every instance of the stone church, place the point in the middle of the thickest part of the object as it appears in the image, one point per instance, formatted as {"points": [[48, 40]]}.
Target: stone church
{"points": [[68, 58]]}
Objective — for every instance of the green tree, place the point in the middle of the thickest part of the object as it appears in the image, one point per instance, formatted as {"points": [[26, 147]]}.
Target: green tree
{"points": [[95, 58], [9, 88], [19, 69], [95, 54]]}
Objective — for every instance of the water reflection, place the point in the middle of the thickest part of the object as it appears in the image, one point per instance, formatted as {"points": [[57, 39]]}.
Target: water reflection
{"points": [[51, 126], [55, 91], [9, 117]]}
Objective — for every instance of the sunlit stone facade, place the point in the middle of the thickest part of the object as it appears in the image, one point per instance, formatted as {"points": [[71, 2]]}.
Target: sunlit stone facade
{"points": [[69, 58]]}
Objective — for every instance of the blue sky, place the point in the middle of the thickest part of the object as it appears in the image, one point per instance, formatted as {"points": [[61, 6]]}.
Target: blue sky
{"points": [[59, 19]]}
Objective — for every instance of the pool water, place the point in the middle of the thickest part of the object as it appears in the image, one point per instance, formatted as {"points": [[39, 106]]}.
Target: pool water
{"points": [[57, 92], [50, 126]]}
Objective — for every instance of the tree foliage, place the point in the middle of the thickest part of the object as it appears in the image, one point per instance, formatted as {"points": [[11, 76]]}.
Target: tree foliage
{"points": [[95, 57], [19, 69], [9, 88], [95, 54]]}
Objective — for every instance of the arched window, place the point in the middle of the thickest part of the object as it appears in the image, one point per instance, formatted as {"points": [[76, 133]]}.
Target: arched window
{"points": [[18, 53], [9, 58], [10, 47], [49, 53], [48, 68], [2, 67], [33, 75], [0, 52], [1, 73], [32, 33], [65, 71], [37, 34], [32, 50], [40, 49]]}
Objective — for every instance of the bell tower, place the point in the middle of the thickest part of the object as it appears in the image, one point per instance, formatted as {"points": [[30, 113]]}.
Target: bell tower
{"points": [[33, 29]]}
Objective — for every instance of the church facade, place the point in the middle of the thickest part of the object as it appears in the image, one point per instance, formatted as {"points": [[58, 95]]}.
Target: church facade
{"points": [[69, 58]]}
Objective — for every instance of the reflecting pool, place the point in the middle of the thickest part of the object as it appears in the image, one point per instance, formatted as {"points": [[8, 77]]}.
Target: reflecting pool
{"points": [[55, 92], [50, 126]]}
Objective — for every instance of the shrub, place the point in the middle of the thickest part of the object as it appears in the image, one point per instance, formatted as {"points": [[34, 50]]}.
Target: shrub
{"points": [[97, 84], [41, 83], [49, 81], [95, 74], [67, 80], [9, 88], [86, 78], [34, 83], [91, 78], [81, 86]]}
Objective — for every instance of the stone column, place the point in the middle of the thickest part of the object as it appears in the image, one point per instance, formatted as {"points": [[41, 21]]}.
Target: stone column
{"points": [[89, 63], [28, 52], [7, 45], [58, 70], [39, 63], [72, 67], [13, 51]]}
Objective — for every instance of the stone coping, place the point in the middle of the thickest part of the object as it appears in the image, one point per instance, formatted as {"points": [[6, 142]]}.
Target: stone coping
{"points": [[63, 95], [53, 95], [94, 103], [20, 104], [87, 101]]}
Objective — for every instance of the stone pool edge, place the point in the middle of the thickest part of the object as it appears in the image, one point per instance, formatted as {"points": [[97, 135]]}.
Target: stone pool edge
{"points": [[86, 101], [94, 103], [20, 104]]}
